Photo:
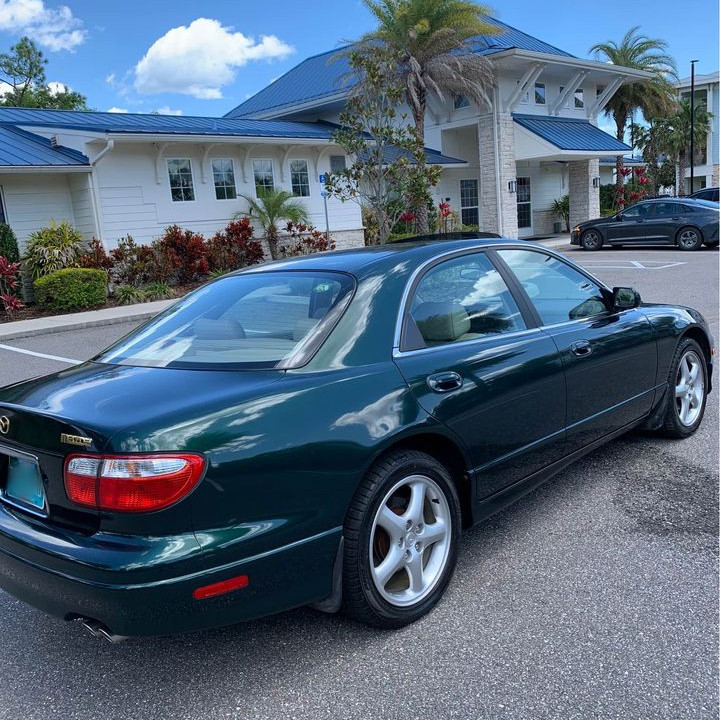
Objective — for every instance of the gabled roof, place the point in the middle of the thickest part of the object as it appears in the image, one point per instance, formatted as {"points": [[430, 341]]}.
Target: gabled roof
{"points": [[105, 122], [571, 133], [325, 75], [19, 148]]}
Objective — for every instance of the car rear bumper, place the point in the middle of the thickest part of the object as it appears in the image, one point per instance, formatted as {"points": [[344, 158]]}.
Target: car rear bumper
{"points": [[127, 603]]}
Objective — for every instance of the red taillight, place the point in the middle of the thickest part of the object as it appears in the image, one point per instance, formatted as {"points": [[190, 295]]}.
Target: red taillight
{"points": [[222, 587], [131, 483]]}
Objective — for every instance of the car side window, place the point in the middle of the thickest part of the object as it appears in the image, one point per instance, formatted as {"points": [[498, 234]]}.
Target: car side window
{"points": [[667, 208], [558, 291], [463, 299], [635, 212]]}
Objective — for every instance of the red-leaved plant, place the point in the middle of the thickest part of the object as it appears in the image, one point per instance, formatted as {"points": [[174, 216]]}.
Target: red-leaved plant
{"points": [[9, 285], [304, 240], [234, 247], [181, 255]]}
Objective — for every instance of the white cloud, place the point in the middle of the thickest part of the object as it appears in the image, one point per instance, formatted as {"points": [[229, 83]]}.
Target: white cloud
{"points": [[56, 88], [201, 58], [117, 110], [56, 28], [165, 110]]}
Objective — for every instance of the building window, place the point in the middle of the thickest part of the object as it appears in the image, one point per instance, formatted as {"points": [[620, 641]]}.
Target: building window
{"points": [[299, 178], [461, 101], [524, 203], [181, 180], [579, 99], [469, 213], [337, 163], [263, 173], [224, 179], [539, 93]]}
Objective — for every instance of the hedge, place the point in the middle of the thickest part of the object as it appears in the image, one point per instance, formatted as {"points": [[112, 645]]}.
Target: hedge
{"points": [[72, 289]]}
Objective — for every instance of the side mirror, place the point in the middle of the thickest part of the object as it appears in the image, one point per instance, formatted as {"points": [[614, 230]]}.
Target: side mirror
{"points": [[620, 216], [625, 298]]}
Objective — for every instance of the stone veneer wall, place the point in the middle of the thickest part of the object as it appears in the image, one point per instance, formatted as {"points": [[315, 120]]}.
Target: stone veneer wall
{"points": [[584, 198], [543, 221], [488, 177], [715, 175], [344, 240]]}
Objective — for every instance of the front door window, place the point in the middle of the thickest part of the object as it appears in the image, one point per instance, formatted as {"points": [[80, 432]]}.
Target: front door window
{"points": [[469, 211], [524, 212]]}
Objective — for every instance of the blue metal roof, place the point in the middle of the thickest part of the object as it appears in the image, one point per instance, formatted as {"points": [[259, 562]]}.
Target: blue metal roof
{"points": [[571, 133], [326, 74], [432, 157], [162, 124], [19, 148]]}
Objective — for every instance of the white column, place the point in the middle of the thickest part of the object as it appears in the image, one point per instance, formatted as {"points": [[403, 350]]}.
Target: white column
{"points": [[584, 198], [496, 139]]}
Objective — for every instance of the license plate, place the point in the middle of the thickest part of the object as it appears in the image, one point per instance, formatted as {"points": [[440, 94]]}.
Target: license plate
{"points": [[24, 483]]}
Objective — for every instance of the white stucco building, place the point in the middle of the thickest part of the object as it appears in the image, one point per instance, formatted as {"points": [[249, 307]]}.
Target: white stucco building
{"points": [[707, 159], [503, 165]]}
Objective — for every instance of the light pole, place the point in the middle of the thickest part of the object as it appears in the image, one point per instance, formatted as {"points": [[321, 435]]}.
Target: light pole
{"points": [[692, 126]]}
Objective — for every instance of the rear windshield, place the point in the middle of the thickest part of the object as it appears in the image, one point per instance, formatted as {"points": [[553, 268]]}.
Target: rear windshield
{"points": [[257, 320]]}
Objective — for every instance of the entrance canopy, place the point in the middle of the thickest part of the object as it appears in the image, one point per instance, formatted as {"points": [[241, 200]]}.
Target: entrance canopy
{"points": [[542, 137]]}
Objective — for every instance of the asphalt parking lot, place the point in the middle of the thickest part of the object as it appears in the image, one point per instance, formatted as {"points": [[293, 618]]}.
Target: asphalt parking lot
{"points": [[595, 596]]}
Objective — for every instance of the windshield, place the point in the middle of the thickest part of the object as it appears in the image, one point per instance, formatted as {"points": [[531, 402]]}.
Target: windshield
{"points": [[255, 320]]}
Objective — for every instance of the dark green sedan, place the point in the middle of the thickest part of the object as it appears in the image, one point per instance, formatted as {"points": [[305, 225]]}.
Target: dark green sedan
{"points": [[318, 431]]}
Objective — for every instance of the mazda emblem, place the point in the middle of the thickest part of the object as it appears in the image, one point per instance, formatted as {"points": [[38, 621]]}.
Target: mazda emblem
{"points": [[4, 424]]}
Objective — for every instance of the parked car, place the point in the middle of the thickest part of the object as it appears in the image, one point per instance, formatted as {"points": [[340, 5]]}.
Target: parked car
{"points": [[319, 430], [684, 222], [709, 193]]}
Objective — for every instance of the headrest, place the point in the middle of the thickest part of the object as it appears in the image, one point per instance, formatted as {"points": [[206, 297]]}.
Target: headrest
{"points": [[222, 329], [441, 321], [302, 327]]}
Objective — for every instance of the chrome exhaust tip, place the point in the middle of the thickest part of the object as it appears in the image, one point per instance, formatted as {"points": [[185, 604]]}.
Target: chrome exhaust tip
{"points": [[98, 630]]}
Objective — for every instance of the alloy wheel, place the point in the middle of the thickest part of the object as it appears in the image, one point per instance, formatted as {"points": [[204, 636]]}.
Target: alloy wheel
{"points": [[688, 239], [689, 388], [591, 240], [410, 540]]}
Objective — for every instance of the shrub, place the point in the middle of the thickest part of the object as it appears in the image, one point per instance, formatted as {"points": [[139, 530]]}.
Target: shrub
{"points": [[129, 295], [158, 291], [561, 209], [9, 285], [53, 248], [96, 258], [8, 244], [181, 255], [133, 264], [234, 247], [72, 289], [304, 240]]}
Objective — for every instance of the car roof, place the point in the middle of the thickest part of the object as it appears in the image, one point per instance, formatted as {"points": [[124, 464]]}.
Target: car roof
{"points": [[361, 261]]}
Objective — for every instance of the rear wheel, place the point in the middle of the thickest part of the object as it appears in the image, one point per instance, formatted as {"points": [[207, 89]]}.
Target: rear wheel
{"points": [[591, 240], [401, 536], [688, 238], [687, 384]]}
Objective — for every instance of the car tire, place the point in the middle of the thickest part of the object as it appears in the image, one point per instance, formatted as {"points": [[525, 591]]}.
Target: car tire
{"points": [[392, 519], [688, 238], [687, 391], [591, 240]]}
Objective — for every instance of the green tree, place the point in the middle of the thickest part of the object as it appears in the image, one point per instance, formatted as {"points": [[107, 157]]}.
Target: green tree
{"points": [[660, 168], [23, 70], [653, 97], [435, 42], [670, 136], [384, 176], [270, 209]]}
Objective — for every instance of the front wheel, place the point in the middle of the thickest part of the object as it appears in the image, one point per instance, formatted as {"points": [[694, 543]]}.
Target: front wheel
{"points": [[591, 240], [401, 536], [689, 239], [687, 385]]}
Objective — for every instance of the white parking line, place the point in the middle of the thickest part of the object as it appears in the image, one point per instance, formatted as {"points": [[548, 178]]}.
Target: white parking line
{"points": [[635, 265], [57, 358]]}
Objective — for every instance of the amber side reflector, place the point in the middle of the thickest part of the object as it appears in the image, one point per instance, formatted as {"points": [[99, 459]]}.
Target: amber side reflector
{"points": [[222, 587]]}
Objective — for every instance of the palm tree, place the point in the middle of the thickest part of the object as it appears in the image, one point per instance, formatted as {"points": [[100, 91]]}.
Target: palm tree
{"points": [[673, 135], [434, 39], [272, 207], [654, 97]]}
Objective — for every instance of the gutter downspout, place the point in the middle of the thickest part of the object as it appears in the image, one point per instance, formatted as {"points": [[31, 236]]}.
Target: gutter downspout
{"points": [[110, 144], [498, 199]]}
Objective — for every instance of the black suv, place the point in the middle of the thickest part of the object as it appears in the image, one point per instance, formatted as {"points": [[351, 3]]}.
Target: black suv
{"points": [[709, 193]]}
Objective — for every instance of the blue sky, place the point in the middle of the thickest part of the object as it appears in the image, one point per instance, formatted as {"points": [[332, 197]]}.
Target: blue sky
{"points": [[203, 58]]}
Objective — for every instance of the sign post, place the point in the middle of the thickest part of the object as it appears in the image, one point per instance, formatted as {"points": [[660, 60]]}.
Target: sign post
{"points": [[323, 192]]}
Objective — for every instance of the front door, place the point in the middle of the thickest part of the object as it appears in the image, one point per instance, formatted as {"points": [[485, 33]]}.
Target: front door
{"points": [[524, 207], [475, 362], [610, 358]]}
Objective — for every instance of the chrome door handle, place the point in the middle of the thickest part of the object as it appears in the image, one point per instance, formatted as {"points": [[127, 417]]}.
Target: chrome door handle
{"points": [[444, 382], [581, 348]]}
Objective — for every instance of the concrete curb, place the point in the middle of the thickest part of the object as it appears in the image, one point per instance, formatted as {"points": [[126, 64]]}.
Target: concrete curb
{"points": [[78, 321]]}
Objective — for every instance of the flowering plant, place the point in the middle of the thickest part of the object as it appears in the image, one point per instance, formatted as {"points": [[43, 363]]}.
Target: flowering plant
{"points": [[9, 284]]}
